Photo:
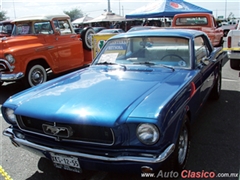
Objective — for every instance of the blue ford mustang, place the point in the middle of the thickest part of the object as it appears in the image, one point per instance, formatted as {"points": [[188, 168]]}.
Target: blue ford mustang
{"points": [[130, 109]]}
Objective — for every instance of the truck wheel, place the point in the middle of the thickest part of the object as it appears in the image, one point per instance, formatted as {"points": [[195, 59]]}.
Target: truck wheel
{"points": [[216, 91], [179, 157], [235, 64], [36, 74], [86, 36]]}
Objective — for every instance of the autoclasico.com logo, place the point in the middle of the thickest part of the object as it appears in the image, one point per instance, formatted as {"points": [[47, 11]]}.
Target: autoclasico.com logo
{"points": [[189, 174]]}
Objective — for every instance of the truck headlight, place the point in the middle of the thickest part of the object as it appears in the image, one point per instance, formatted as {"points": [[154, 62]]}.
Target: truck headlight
{"points": [[9, 115], [10, 58], [147, 133]]}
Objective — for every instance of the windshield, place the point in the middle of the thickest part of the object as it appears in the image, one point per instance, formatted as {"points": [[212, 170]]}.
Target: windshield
{"points": [[167, 51], [32, 28]]}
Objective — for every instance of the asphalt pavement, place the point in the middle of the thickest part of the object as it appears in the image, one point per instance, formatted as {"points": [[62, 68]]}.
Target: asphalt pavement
{"points": [[214, 147]]}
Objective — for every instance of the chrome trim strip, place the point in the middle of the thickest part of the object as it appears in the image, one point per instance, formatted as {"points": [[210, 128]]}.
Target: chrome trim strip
{"points": [[160, 158]]}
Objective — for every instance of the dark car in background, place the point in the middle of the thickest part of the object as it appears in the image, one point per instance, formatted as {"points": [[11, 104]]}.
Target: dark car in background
{"points": [[139, 28], [98, 29], [111, 31], [78, 30]]}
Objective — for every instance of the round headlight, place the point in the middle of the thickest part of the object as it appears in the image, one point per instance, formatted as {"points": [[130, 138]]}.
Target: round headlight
{"points": [[10, 116], [148, 133], [10, 58]]}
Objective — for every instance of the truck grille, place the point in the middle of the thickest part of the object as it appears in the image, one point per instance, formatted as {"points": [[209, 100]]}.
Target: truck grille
{"points": [[83, 133]]}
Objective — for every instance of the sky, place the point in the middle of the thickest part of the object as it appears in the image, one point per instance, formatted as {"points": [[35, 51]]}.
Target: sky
{"points": [[94, 8]]}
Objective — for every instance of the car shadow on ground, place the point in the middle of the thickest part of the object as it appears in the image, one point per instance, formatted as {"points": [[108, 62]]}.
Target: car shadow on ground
{"points": [[9, 89], [48, 172]]}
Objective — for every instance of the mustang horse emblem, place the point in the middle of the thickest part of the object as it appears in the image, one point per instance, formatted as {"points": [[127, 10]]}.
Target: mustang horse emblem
{"points": [[56, 131]]}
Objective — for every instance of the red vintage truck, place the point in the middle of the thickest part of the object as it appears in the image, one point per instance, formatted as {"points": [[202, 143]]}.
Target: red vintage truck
{"points": [[200, 21], [41, 44]]}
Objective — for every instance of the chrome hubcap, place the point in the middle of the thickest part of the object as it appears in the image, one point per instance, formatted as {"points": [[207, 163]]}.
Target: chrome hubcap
{"points": [[37, 77], [89, 38], [183, 145], [218, 85]]}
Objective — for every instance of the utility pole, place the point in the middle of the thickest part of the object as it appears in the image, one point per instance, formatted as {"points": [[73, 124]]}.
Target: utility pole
{"points": [[122, 11], [119, 7], [14, 9], [109, 9], [226, 9]]}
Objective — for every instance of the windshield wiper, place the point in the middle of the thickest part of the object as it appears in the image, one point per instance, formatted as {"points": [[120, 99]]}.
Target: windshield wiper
{"points": [[110, 63], [106, 63], [145, 63], [170, 67]]}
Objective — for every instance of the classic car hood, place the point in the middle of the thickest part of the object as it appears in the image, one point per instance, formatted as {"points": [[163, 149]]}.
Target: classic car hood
{"points": [[14, 41], [92, 96]]}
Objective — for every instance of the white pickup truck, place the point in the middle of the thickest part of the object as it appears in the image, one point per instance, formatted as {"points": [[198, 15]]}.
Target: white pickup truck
{"points": [[233, 47]]}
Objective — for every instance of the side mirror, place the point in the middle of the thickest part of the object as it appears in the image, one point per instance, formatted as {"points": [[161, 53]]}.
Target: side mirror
{"points": [[205, 61], [219, 25], [57, 31]]}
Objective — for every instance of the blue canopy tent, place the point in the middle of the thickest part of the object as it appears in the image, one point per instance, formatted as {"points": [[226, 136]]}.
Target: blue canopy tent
{"points": [[165, 8]]}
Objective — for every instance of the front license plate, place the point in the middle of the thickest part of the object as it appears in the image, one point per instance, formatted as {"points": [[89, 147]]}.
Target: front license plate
{"points": [[69, 163]]}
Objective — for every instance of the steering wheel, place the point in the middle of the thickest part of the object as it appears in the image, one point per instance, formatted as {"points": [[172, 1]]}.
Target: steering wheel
{"points": [[173, 55]]}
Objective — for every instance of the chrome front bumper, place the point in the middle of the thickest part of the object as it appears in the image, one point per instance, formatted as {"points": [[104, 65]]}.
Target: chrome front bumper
{"points": [[233, 55], [11, 77], [22, 142]]}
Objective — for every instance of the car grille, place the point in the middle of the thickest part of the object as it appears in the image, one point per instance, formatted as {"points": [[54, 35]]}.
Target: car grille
{"points": [[83, 133]]}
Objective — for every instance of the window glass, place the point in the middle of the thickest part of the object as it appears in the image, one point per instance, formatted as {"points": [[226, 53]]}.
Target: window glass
{"points": [[201, 50], [23, 29], [6, 28], [43, 27], [63, 26], [193, 21]]}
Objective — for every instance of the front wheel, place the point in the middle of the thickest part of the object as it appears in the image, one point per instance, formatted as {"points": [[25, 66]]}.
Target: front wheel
{"points": [[179, 157], [183, 147], [216, 91], [36, 74]]}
